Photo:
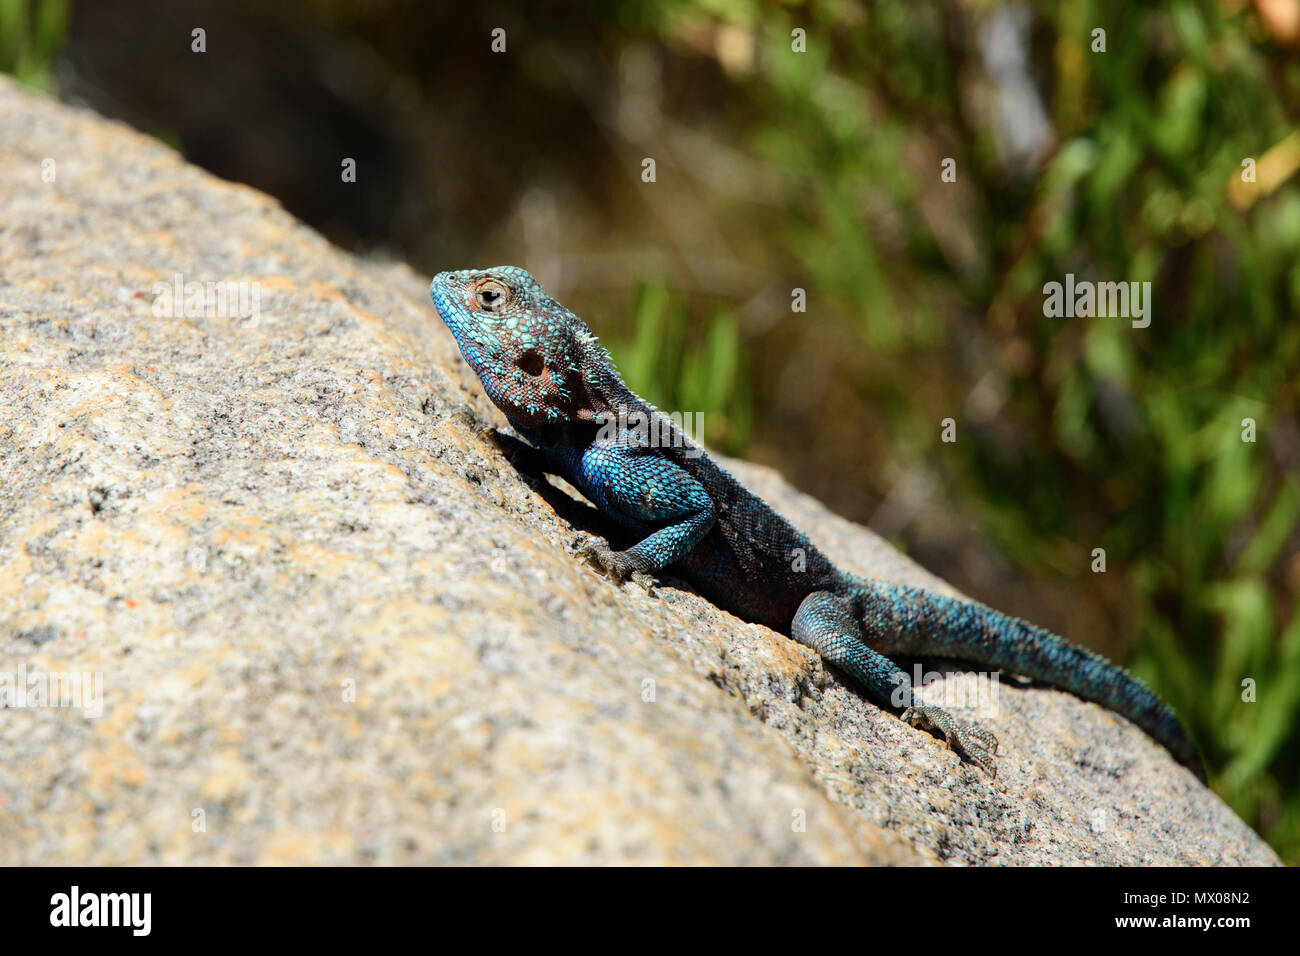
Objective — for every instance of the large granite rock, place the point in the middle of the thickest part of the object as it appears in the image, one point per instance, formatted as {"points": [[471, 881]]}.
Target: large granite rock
{"points": [[334, 625]]}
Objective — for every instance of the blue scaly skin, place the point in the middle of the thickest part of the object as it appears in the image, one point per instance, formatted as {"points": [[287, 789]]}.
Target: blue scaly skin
{"points": [[541, 365]]}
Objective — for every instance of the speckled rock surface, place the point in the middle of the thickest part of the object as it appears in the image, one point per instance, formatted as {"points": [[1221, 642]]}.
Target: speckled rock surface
{"points": [[334, 625]]}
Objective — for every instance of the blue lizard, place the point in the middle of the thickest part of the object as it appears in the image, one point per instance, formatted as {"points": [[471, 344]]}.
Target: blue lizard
{"points": [[542, 366]]}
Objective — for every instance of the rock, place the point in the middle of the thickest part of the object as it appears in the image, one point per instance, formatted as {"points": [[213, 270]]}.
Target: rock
{"points": [[332, 624]]}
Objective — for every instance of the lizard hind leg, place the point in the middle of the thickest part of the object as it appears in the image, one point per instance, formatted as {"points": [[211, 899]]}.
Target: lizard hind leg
{"points": [[900, 619], [825, 623]]}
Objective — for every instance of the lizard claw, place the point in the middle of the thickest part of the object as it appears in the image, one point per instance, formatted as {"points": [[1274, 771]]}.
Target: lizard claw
{"points": [[619, 565], [645, 580], [591, 550], [967, 740]]}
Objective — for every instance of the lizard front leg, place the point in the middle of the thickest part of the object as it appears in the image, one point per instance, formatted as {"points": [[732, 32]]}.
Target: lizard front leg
{"points": [[825, 623], [644, 490]]}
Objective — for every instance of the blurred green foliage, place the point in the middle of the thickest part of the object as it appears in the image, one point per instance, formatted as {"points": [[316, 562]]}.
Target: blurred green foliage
{"points": [[31, 32], [707, 377]]}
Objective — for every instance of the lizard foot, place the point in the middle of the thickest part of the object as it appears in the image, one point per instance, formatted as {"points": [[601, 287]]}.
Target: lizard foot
{"points": [[974, 743], [619, 565]]}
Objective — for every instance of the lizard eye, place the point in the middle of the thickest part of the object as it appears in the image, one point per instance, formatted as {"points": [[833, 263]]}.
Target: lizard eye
{"points": [[531, 363], [492, 296]]}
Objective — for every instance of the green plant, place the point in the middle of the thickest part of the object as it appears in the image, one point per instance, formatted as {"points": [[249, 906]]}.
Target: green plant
{"points": [[31, 33], [702, 377]]}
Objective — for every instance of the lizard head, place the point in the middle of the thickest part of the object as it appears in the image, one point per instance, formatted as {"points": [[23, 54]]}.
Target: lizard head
{"points": [[538, 362]]}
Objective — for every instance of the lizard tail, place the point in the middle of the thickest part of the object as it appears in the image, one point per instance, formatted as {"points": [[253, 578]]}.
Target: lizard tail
{"points": [[903, 619]]}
